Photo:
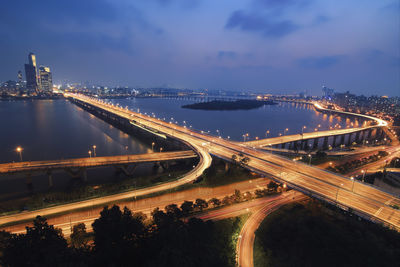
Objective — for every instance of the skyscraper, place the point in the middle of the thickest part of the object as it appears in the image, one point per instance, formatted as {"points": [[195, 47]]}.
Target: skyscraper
{"points": [[46, 81], [31, 74], [19, 77]]}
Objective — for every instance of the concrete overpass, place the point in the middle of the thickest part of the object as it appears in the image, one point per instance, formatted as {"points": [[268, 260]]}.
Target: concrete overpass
{"points": [[77, 167], [364, 200], [325, 139]]}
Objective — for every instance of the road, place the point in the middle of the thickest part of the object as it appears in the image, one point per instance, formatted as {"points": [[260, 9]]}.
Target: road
{"points": [[204, 163], [146, 205], [317, 134], [379, 164], [365, 200], [34, 166], [245, 244]]}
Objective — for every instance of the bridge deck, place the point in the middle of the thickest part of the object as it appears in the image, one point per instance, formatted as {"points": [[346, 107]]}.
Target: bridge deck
{"points": [[17, 167], [367, 201], [298, 137]]}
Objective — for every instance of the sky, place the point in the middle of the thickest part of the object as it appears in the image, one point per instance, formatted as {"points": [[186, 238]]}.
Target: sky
{"points": [[271, 46]]}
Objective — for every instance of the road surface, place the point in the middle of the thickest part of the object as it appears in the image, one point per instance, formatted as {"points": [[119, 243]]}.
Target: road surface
{"points": [[245, 245], [34, 166], [364, 200], [66, 221]]}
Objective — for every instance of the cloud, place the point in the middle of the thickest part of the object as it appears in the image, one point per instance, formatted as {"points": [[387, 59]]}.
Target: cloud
{"points": [[226, 55], [257, 23], [282, 3], [187, 4], [321, 19], [319, 62]]}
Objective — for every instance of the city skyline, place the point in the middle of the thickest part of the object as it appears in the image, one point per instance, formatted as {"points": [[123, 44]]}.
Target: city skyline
{"points": [[271, 46]]}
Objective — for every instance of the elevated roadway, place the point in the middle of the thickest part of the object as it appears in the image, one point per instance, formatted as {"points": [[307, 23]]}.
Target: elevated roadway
{"points": [[319, 134], [42, 166], [362, 199]]}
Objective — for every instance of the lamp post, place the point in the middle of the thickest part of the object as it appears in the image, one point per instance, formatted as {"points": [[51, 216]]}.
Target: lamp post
{"points": [[284, 132], [352, 187], [152, 147], [266, 134], [90, 153], [337, 192], [161, 149], [310, 156], [19, 151], [363, 173], [302, 130], [94, 150]]}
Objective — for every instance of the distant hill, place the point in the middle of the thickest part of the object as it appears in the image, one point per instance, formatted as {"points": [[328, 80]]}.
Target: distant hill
{"points": [[230, 105]]}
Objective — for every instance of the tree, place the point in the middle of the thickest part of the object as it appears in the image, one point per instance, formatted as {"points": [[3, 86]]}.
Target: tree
{"points": [[42, 245], [200, 204], [187, 207], [173, 211], [118, 237], [226, 200], [215, 202], [79, 236], [320, 154], [237, 197], [272, 186]]}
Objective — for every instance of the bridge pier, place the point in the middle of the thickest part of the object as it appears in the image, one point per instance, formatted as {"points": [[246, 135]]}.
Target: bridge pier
{"points": [[127, 169], [50, 175], [315, 143], [342, 139], [304, 145], [349, 140], [335, 137], [357, 140], [325, 144], [80, 173], [291, 145], [368, 134]]}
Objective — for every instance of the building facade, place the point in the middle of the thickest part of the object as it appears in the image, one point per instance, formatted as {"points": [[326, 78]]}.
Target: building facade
{"points": [[46, 80], [31, 74]]}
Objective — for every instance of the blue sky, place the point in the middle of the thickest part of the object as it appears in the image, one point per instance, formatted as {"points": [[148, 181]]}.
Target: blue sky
{"points": [[276, 46]]}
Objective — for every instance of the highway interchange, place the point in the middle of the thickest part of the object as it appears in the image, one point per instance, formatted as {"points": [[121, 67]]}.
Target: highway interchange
{"points": [[366, 201], [362, 199]]}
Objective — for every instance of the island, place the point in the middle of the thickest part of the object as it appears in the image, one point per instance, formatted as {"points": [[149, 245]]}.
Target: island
{"points": [[230, 105]]}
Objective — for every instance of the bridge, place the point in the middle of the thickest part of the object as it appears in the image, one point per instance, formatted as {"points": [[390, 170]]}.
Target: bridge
{"points": [[77, 166], [325, 139], [364, 200]]}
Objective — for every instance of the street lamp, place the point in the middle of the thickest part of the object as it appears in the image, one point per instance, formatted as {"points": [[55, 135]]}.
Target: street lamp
{"points": [[310, 156], [161, 149], [363, 173], [152, 147], [266, 134], [337, 192], [287, 129], [94, 150], [90, 153], [19, 151], [302, 130], [352, 187]]}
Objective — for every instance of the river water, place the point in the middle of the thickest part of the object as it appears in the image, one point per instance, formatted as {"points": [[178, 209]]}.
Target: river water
{"points": [[256, 122], [56, 129]]}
